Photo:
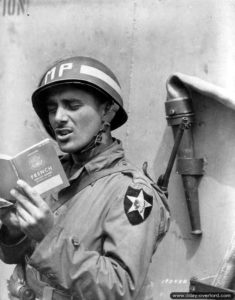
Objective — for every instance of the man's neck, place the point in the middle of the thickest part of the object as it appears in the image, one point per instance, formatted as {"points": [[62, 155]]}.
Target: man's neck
{"points": [[82, 158]]}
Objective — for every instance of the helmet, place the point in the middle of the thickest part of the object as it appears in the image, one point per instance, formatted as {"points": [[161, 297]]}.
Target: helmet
{"points": [[83, 71]]}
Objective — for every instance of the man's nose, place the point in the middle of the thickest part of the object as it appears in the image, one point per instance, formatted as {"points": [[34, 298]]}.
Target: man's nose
{"points": [[61, 115]]}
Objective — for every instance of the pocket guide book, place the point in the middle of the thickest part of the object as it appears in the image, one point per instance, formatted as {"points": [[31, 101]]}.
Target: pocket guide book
{"points": [[38, 165]]}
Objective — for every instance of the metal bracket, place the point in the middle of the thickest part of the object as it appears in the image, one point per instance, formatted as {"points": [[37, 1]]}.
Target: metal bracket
{"points": [[190, 166], [177, 109]]}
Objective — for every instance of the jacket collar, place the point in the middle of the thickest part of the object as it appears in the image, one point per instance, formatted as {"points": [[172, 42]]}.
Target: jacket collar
{"points": [[104, 160]]}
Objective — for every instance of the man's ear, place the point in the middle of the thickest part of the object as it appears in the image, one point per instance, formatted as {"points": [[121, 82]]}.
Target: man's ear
{"points": [[110, 110]]}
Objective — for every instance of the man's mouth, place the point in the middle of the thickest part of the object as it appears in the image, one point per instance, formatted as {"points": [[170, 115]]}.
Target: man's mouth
{"points": [[63, 133]]}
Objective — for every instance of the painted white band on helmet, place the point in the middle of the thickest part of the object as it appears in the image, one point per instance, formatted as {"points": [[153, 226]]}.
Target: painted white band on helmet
{"points": [[102, 76]]}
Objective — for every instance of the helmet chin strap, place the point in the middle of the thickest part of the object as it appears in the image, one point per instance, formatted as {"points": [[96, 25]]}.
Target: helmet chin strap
{"points": [[97, 139], [111, 110]]}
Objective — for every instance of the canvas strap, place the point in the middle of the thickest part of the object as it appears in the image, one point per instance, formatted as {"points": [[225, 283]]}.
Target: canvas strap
{"points": [[83, 181]]}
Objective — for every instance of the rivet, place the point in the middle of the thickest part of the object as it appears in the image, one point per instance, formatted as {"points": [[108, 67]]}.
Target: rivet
{"points": [[75, 242]]}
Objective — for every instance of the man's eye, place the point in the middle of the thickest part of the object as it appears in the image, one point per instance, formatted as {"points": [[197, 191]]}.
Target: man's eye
{"points": [[74, 106], [51, 109]]}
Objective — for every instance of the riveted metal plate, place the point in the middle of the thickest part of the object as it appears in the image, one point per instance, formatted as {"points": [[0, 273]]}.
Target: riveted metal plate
{"points": [[176, 120], [178, 107]]}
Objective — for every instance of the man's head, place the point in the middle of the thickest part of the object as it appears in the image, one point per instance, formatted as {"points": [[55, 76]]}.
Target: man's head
{"points": [[76, 115], [84, 80]]}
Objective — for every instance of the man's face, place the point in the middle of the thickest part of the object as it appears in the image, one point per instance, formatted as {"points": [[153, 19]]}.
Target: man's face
{"points": [[75, 116]]}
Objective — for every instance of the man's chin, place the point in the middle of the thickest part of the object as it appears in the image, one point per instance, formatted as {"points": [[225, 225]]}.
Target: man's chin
{"points": [[68, 147]]}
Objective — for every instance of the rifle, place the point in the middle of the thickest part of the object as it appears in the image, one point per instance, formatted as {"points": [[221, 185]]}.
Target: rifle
{"points": [[163, 180]]}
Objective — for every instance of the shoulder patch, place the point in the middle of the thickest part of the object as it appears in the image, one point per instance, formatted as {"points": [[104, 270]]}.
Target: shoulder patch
{"points": [[137, 205]]}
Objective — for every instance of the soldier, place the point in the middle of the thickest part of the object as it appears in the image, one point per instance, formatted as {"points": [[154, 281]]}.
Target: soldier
{"points": [[94, 239]]}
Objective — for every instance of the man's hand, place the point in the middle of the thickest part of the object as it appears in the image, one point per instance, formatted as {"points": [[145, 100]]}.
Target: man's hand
{"points": [[34, 215]]}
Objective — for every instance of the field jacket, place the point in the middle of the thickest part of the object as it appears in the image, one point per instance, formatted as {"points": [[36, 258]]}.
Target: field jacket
{"points": [[105, 232]]}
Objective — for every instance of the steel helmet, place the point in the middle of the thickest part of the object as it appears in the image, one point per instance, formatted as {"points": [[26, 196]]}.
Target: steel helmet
{"points": [[84, 71]]}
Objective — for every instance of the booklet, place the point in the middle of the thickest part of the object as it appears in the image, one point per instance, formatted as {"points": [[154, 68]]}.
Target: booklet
{"points": [[38, 165]]}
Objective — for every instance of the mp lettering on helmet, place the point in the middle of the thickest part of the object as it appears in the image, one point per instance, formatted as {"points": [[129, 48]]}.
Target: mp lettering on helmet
{"points": [[63, 67], [51, 73]]}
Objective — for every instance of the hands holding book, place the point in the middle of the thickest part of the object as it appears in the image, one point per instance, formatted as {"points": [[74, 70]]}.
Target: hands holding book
{"points": [[30, 215]]}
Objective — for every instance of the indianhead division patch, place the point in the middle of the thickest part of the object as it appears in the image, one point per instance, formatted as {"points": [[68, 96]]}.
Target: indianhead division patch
{"points": [[137, 205]]}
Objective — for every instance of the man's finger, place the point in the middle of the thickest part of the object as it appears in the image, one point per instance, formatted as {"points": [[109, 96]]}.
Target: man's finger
{"points": [[24, 215], [24, 202], [30, 192], [5, 203], [23, 223]]}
